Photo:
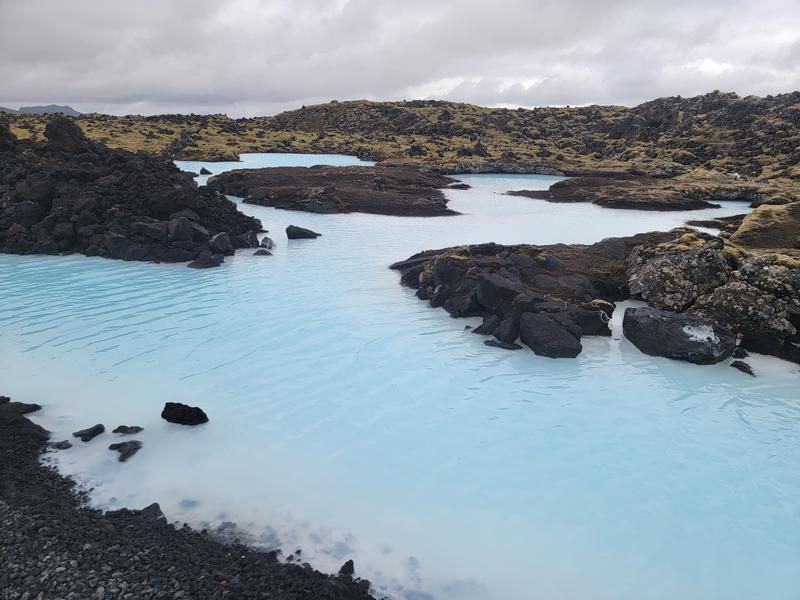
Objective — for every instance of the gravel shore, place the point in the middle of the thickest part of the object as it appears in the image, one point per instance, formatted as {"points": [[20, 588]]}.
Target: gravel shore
{"points": [[53, 546]]}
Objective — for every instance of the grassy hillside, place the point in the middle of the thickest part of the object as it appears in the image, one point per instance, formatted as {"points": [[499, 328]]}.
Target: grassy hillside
{"points": [[717, 133]]}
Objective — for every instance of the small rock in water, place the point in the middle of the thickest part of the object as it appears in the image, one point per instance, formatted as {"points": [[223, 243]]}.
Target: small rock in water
{"points": [[347, 570], [300, 233], [740, 353], [126, 449], [62, 445], [500, 344], [128, 429], [267, 243], [743, 367], [204, 171], [262, 252], [175, 412], [90, 433], [206, 260]]}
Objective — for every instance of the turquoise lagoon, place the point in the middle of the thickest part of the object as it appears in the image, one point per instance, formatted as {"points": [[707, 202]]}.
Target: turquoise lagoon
{"points": [[350, 420]]}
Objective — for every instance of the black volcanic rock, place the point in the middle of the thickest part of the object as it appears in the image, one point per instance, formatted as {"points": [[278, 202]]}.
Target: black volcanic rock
{"points": [[126, 449], [547, 336], [681, 336], [89, 433], [204, 171], [401, 190], [293, 232], [743, 367], [127, 429], [182, 414], [72, 195]]}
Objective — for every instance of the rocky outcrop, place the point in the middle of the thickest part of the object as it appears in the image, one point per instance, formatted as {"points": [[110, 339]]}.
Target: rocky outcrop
{"points": [[183, 414], [547, 296], [680, 336], [293, 232], [757, 296], [384, 189], [72, 195], [639, 192], [770, 227], [674, 274]]}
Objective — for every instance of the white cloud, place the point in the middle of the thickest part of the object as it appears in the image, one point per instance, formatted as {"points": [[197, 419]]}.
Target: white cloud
{"points": [[260, 56]]}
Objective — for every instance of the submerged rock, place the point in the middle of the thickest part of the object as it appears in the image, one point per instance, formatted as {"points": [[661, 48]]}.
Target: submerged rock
{"points": [[128, 429], [90, 433], [206, 260], [126, 449], [743, 367], [262, 252], [503, 345], [62, 445], [300, 233], [680, 336], [175, 412]]}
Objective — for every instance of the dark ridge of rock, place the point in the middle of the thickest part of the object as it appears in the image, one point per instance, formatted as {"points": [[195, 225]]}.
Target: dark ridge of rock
{"points": [[53, 543], [90, 433], [128, 429], [182, 414], [680, 336], [400, 190], [204, 171], [71, 195], [126, 449], [572, 286], [293, 232], [633, 192], [743, 367]]}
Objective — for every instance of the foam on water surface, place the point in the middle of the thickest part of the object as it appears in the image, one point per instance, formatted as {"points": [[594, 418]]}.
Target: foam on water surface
{"points": [[352, 421]]}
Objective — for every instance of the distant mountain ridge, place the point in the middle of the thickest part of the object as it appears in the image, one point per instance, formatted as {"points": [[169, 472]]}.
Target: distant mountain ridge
{"points": [[48, 109]]}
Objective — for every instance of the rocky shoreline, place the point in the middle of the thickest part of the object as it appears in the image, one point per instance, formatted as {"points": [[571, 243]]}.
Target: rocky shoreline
{"points": [[71, 195], [399, 190], [54, 546], [703, 287]]}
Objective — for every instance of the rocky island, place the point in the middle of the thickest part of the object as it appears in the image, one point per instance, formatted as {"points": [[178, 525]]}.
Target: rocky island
{"points": [[400, 190], [72, 195]]}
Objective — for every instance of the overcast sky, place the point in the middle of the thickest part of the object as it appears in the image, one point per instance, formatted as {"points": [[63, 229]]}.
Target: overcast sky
{"points": [[250, 57]]}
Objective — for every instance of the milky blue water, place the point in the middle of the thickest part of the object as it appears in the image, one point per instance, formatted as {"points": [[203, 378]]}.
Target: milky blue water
{"points": [[352, 421]]}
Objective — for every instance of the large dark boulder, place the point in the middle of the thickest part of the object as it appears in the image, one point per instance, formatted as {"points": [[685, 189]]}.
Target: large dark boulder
{"points": [[182, 414], [681, 336], [548, 337], [293, 232]]}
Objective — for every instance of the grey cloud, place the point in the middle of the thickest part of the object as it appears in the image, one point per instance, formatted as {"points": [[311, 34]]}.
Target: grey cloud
{"points": [[249, 57]]}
